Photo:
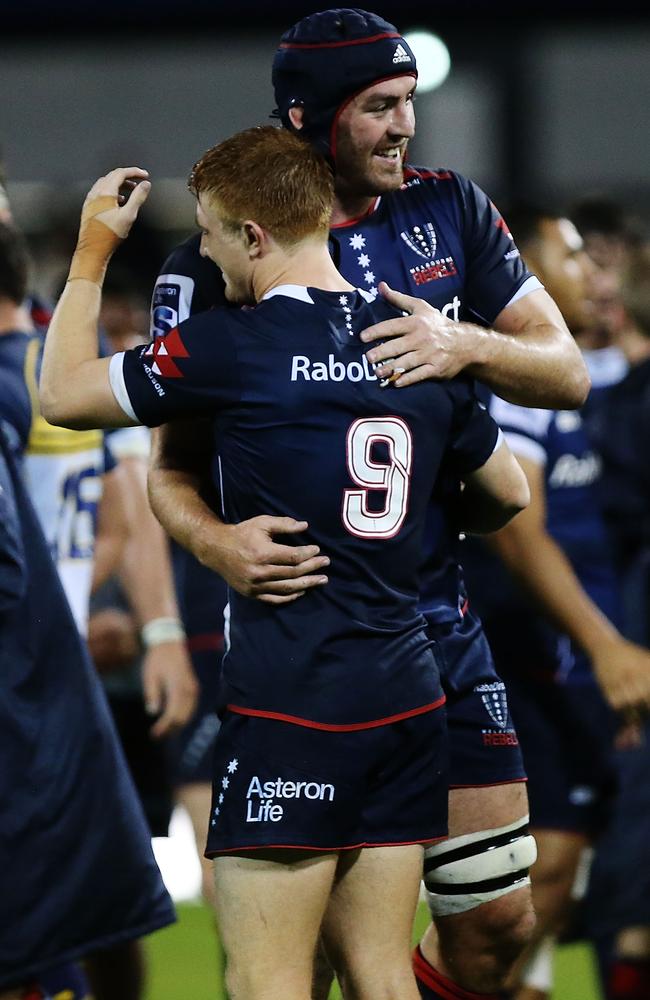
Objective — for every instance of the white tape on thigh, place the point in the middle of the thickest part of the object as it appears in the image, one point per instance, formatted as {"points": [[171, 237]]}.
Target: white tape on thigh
{"points": [[464, 872]]}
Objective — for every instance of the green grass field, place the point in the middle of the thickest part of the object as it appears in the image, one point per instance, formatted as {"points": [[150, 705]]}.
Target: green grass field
{"points": [[185, 961]]}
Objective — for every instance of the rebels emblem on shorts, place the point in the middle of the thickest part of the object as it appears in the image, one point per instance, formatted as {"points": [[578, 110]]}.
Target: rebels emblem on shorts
{"points": [[422, 240], [495, 701]]}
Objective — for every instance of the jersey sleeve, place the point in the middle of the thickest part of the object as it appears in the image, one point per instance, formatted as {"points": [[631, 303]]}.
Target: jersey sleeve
{"points": [[473, 435], [525, 428], [192, 370], [188, 284], [496, 274]]}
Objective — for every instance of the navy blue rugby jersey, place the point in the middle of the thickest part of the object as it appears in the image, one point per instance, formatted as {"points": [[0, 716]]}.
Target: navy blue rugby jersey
{"points": [[303, 429], [438, 237]]}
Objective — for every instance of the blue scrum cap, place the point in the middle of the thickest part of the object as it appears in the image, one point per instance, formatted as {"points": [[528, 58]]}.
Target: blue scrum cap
{"points": [[325, 59]]}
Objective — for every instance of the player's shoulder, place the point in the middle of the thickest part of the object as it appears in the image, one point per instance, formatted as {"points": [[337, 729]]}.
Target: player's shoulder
{"points": [[441, 181]]}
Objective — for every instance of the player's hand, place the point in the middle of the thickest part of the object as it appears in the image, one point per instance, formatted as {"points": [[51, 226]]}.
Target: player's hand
{"points": [[255, 565], [169, 686], [117, 198], [110, 209], [622, 670], [421, 345]]}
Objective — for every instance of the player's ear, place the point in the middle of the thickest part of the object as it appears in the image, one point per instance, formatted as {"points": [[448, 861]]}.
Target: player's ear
{"points": [[297, 117], [254, 237]]}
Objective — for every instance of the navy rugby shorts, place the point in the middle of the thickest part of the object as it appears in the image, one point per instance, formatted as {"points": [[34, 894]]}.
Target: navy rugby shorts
{"points": [[483, 744], [279, 784]]}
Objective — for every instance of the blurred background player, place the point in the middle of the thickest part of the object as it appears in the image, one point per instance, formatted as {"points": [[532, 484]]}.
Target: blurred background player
{"points": [[74, 492], [455, 251], [65, 896], [183, 767], [617, 911], [560, 679]]}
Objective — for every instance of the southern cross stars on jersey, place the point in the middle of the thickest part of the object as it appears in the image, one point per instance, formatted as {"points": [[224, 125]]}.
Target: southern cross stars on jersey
{"points": [[440, 238], [303, 429]]}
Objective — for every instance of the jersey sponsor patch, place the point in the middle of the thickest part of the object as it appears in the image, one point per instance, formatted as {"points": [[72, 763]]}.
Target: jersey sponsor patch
{"points": [[170, 304], [162, 351]]}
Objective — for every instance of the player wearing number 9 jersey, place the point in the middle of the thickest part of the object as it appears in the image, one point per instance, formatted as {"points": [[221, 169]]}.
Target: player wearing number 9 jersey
{"points": [[333, 738], [303, 427]]}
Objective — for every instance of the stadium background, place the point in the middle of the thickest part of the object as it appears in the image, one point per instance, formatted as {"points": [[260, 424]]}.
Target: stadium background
{"points": [[541, 102]]}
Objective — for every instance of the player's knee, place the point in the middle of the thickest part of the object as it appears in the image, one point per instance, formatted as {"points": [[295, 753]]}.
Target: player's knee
{"points": [[494, 934], [467, 871], [507, 926]]}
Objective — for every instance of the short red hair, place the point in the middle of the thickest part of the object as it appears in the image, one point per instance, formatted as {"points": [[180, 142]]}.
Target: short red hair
{"points": [[272, 177]]}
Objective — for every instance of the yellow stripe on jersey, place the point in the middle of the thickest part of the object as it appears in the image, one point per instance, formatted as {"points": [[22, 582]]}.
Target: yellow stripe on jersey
{"points": [[44, 439]]}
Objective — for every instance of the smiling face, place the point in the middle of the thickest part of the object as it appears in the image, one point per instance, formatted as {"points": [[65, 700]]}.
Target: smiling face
{"points": [[228, 249], [372, 134]]}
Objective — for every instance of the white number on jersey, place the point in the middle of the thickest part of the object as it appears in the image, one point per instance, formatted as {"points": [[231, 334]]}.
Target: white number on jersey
{"points": [[392, 477]]}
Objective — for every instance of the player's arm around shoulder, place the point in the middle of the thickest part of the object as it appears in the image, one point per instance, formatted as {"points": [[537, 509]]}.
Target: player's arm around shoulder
{"points": [[528, 356], [495, 492]]}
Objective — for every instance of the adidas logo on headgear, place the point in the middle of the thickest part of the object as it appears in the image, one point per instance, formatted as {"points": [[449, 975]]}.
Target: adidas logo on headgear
{"points": [[327, 58], [401, 55]]}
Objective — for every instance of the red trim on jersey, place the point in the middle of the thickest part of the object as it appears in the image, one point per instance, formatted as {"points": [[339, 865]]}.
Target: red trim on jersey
{"points": [[338, 45], [438, 175], [352, 727], [205, 642], [302, 847], [382, 79], [465, 607], [442, 986]]}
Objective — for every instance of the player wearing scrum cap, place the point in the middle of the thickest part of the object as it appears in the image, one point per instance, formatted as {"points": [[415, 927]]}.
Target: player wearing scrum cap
{"points": [[344, 79], [330, 767]]}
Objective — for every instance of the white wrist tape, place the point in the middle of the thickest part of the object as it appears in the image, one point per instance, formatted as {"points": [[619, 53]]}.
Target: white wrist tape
{"points": [[160, 630]]}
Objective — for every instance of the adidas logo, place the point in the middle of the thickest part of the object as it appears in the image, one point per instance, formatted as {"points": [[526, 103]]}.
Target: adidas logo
{"points": [[401, 55]]}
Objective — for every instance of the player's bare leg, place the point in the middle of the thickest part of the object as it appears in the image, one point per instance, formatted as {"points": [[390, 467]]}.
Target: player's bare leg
{"points": [[553, 879], [477, 948], [270, 906], [367, 928]]}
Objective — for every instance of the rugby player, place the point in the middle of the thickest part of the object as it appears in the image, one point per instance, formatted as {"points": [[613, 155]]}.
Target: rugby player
{"points": [[345, 80], [329, 766], [561, 677], [78, 874]]}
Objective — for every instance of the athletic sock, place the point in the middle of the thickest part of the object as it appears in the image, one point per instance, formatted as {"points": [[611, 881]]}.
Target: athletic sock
{"points": [[434, 986], [629, 979]]}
